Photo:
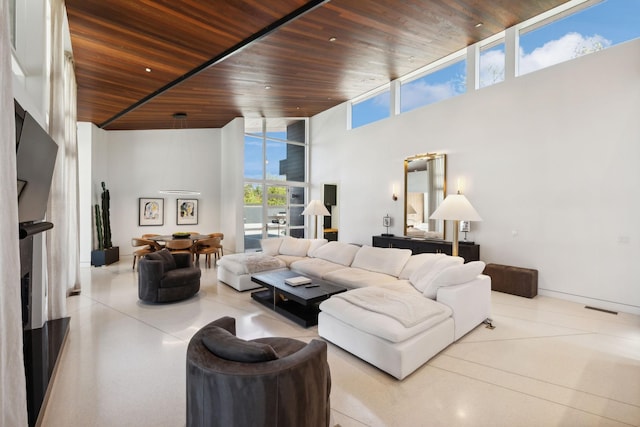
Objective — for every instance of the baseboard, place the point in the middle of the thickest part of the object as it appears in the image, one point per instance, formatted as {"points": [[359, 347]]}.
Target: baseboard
{"points": [[592, 302]]}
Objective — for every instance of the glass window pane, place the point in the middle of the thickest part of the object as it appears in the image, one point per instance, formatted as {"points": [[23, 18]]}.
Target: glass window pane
{"points": [[252, 216], [293, 166], [253, 158], [371, 110], [592, 29], [433, 87], [296, 217], [276, 152], [491, 65], [296, 195]]}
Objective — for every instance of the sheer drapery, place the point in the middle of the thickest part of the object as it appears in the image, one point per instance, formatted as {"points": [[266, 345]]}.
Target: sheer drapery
{"points": [[13, 399], [62, 241]]}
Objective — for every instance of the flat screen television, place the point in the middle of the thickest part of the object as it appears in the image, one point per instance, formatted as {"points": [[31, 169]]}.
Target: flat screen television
{"points": [[36, 155]]}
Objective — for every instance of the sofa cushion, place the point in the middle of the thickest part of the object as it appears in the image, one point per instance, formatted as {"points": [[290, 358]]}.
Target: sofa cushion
{"points": [[415, 262], [164, 255], [357, 278], [227, 346], [381, 325], [315, 267], [337, 252], [381, 260], [288, 259], [453, 275], [423, 276], [315, 244], [248, 263], [294, 247], [271, 246]]}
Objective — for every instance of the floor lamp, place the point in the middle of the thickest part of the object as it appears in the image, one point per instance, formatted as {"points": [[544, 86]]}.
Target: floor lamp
{"points": [[316, 208], [456, 207]]}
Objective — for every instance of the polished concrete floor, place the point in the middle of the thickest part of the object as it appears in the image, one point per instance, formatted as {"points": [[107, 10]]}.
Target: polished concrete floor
{"points": [[548, 363]]}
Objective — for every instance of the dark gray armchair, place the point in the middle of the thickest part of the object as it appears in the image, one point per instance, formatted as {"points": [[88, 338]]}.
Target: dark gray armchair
{"points": [[165, 277], [266, 382]]}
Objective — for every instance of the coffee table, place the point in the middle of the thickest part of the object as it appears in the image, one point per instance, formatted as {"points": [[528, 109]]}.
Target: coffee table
{"points": [[296, 303]]}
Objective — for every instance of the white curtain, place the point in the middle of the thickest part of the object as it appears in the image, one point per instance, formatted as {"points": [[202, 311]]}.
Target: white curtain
{"points": [[63, 260], [13, 395]]}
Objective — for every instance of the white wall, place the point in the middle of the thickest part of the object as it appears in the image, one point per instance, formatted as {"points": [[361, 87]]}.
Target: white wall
{"points": [[549, 160], [232, 182], [140, 163]]}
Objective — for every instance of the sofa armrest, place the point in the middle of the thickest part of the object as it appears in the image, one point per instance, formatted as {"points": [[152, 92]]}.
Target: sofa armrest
{"points": [[150, 273], [470, 302]]}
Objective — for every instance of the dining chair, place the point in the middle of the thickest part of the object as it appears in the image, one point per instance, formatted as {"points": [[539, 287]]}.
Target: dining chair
{"points": [[208, 247], [145, 246], [180, 246], [221, 236]]}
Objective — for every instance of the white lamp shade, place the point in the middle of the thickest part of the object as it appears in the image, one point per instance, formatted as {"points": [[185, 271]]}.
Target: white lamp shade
{"points": [[456, 207], [316, 207]]}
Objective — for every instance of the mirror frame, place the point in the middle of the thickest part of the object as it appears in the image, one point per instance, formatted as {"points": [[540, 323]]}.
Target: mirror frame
{"points": [[426, 156]]}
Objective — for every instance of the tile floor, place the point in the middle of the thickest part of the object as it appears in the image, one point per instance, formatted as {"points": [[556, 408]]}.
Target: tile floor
{"points": [[549, 362]]}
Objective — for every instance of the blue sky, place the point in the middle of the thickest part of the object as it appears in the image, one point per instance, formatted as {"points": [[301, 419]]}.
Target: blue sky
{"points": [[599, 26]]}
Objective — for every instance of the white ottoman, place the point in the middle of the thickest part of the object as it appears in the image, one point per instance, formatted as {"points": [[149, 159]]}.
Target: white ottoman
{"points": [[235, 270]]}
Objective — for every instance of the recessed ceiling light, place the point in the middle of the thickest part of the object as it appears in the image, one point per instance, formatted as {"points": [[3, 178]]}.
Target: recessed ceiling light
{"points": [[332, 39], [479, 24], [267, 87], [411, 58], [148, 70]]}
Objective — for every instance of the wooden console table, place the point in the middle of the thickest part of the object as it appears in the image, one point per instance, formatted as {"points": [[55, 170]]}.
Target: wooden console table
{"points": [[468, 251]]}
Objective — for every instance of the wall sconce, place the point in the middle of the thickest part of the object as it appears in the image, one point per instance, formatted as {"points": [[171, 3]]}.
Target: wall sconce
{"points": [[394, 194]]}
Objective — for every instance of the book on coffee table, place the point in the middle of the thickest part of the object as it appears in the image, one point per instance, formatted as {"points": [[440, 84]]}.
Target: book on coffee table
{"points": [[297, 281]]}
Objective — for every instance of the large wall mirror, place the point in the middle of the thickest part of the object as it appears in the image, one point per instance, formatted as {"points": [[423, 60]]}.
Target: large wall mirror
{"points": [[424, 190]]}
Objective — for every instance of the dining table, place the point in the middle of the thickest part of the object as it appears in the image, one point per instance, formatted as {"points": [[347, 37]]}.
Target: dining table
{"points": [[165, 238]]}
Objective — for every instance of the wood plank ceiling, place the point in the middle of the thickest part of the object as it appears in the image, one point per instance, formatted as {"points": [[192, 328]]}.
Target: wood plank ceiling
{"points": [[219, 59]]}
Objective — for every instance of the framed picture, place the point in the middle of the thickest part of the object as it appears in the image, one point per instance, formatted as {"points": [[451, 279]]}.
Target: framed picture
{"points": [[150, 211], [187, 211]]}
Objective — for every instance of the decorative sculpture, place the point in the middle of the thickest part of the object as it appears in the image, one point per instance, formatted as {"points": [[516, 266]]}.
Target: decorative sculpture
{"points": [[106, 221], [99, 227]]}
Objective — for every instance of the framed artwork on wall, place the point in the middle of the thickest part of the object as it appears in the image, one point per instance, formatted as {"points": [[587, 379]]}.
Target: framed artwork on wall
{"points": [[187, 211], [150, 211]]}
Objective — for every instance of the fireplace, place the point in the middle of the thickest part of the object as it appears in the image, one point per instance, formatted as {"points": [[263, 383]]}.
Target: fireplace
{"points": [[42, 341]]}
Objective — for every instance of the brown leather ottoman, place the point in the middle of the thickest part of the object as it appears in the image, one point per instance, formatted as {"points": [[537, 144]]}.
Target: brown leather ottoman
{"points": [[513, 280]]}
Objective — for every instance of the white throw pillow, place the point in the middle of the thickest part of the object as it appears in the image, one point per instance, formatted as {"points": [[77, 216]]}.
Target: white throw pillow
{"points": [[271, 246], [294, 247], [337, 252], [454, 275], [315, 244], [381, 260], [417, 261], [423, 276]]}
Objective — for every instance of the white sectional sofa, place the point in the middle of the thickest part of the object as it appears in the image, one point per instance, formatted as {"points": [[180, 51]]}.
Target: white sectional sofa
{"points": [[401, 309]]}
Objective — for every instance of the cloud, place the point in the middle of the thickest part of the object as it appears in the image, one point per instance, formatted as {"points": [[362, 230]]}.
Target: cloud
{"points": [[422, 93], [569, 46], [491, 67]]}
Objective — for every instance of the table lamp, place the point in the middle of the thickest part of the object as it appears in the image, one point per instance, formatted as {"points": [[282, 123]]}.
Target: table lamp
{"points": [[316, 208], [456, 207]]}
